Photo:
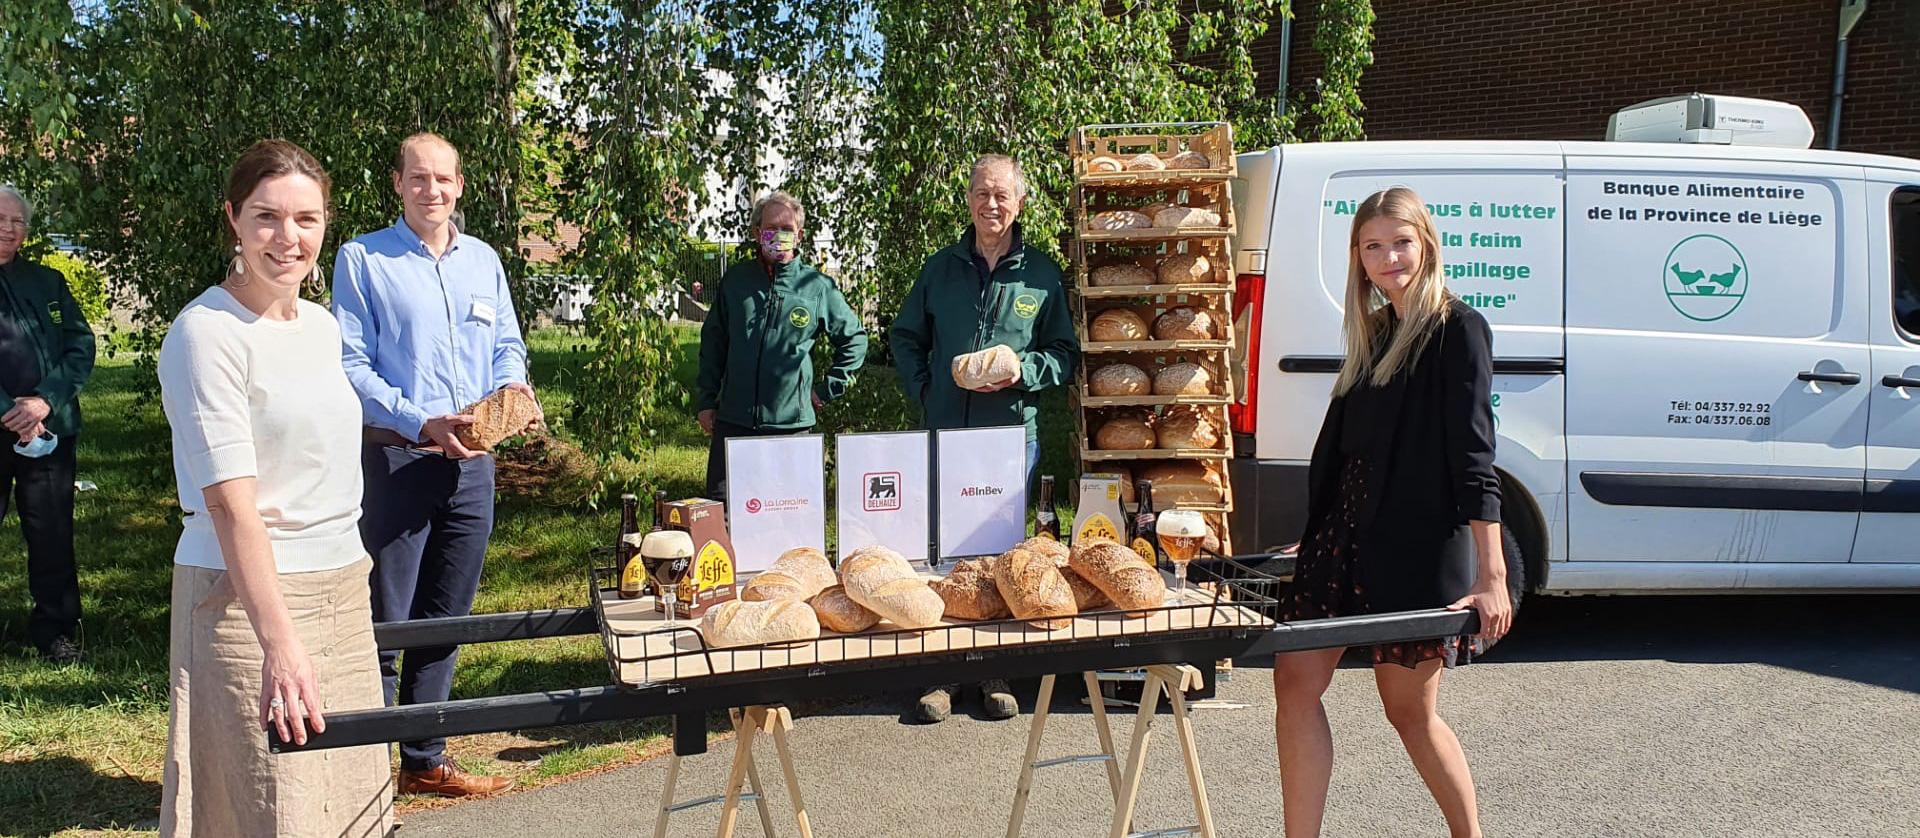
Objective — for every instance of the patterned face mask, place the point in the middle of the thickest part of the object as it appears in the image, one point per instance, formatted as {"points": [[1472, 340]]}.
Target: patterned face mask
{"points": [[779, 245]]}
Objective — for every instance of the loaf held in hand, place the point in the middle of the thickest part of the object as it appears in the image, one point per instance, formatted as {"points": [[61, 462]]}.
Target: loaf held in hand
{"points": [[1128, 580], [882, 581], [742, 623], [798, 574], [505, 414], [995, 364], [1119, 380], [1034, 589], [970, 592], [838, 612]]}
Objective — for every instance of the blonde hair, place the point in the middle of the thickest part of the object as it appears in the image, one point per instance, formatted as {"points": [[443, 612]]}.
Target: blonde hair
{"points": [[1375, 354], [417, 140]]}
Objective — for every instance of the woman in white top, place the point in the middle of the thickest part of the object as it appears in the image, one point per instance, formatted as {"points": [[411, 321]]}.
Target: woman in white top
{"points": [[272, 625]]}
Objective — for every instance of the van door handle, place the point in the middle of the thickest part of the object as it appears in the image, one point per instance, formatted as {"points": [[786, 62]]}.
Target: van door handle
{"points": [[1830, 377], [1899, 381]]}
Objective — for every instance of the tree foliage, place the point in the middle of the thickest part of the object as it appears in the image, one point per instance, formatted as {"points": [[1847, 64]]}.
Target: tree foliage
{"points": [[1344, 36]]}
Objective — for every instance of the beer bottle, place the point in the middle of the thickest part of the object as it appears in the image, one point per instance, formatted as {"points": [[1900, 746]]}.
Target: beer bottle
{"points": [[1144, 540], [659, 510], [633, 574], [1046, 523]]}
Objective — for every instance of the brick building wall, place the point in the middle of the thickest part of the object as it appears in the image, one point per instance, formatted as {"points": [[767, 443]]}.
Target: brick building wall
{"points": [[1556, 69]]}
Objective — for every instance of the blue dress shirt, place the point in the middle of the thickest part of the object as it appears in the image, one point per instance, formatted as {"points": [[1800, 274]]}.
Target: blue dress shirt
{"points": [[423, 337]]}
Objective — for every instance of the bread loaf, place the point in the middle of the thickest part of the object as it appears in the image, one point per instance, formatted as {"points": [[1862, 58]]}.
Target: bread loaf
{"points": [[1186, 217], [1190, 428], [838, 612], [1086, 595], [1154, 208], [798, 574], [504, 414], [1118, 324], [1184, 268], [1189, 160], [1124, 433], [1124, 273], [742, 623], [1126, 578], [1182, 481], [1119, 380], [1104, 165], [1182, 380], [881, 580], [1119, 220], [1046, 547], [1145, 162], [1184, 323], [1034, 589], [970, 592], [992, 365]]}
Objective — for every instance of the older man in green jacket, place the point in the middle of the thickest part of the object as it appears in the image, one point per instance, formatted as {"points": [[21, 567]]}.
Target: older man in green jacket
{"points": [[46, 355], [989, 288]]}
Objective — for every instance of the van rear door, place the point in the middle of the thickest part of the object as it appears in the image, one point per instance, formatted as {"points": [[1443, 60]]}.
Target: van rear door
{"points": [[1890, 516]]}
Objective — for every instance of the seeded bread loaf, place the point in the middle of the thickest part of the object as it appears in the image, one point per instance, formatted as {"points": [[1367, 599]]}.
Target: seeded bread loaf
{"points": [[1187, 428], [1118, 324], [1184, 323], [504, 414], [1119, 220], [1034, 589], [1184, 268], [970, 592], [1182, 380], [1119, 380], [1124, 433], [1126, 578], [1124, 273]]}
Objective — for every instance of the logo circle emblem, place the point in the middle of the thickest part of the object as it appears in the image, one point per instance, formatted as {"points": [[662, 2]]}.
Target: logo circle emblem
{"points": [[1026, 306], [799, 317], [753, 504], [1705, 277]]}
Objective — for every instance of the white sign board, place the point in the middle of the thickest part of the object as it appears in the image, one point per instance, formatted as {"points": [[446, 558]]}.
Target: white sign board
{"points": [[882, 499], [982, 491], [776, 497]]}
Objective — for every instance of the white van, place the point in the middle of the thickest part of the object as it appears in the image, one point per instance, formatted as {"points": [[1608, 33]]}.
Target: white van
{"points": [[1706, 355]]}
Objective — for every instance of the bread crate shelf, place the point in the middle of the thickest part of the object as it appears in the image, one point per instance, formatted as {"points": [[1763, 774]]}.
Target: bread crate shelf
{"points": [[1163, 179], [1122, 291], [1153, 345], [1148, 401], [1092, 454], [1156, 234]]}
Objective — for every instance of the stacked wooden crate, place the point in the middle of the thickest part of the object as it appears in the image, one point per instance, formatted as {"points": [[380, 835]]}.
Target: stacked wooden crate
{"points": [[1187, 181]]}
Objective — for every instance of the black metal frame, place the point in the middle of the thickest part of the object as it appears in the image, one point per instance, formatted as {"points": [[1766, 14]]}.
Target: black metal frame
{"points": [[688, 702]]}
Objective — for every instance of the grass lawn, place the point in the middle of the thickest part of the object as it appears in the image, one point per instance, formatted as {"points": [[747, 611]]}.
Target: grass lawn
{"points": [[81, 746]]}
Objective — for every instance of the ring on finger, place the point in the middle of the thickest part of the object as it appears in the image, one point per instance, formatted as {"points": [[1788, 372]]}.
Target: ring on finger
{"points": [[278, 703]]}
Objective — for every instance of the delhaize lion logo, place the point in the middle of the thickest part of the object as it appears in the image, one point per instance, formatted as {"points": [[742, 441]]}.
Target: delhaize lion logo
{"points": [[1026, 306], [1705, 277], [799, 317]]}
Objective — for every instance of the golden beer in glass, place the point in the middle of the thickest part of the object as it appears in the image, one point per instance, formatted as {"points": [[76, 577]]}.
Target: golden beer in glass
{"points": [[1181, 533]]}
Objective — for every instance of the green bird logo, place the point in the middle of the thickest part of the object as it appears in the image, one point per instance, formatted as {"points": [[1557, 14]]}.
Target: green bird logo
{"points": [[1692, 279]]}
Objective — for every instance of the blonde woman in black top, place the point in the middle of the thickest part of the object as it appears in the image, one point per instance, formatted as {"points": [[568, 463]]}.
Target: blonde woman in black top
{"points": [[1403, 510]]}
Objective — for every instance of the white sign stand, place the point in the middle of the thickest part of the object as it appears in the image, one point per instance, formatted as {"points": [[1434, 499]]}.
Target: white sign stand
{"points": [[772, 505], [882, 497], [982, 490]]}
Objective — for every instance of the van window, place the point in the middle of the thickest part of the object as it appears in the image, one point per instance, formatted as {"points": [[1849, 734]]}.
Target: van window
{"points": [[1904, 224]]}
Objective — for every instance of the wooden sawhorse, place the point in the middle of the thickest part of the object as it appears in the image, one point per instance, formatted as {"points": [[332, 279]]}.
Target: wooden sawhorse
{"points": [[747, 722], [1172, 679]]}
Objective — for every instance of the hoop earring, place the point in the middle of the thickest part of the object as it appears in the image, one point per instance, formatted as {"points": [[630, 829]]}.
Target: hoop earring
{"points": [[239, 278], [317, 280]]}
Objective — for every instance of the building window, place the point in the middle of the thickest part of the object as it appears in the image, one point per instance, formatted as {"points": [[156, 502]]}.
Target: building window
{"points": [[1904, 225]]}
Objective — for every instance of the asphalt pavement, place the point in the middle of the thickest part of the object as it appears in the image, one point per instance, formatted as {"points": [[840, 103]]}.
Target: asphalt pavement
{"points": [[1656, 716]]}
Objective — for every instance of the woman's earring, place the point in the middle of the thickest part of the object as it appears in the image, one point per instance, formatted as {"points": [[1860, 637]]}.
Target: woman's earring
{"points": [[317, 280], [239, 267]]}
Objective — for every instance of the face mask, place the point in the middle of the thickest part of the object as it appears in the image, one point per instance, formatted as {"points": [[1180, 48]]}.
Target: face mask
{"points": [[779, 245], [40, 446]]}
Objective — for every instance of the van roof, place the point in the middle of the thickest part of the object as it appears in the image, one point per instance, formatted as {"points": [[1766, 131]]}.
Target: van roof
{"points": [[1695, 151]]}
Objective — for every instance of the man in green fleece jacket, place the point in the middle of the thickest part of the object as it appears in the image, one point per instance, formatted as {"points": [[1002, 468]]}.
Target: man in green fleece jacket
{"points": [[989, 288], [46, 355], [756, 348]]}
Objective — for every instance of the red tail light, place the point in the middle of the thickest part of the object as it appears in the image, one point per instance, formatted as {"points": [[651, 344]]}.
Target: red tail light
{"points": [[1249, 297]]}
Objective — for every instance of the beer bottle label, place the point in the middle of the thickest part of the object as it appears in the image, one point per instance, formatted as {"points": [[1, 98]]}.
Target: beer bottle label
{"points": [[1145, 549], [1097, 527], [634, 576]]}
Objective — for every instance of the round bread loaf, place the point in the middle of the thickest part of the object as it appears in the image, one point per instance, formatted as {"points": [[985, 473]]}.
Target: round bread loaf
{"points": [[1187, 429], [1145, 162], [1182, 380], [970, 592], [1046, 547], [1189, 160], [1119, 220], [1186, 217], [1104, 165], [1124, 273], [1119, 380], [1185, 267], [1118, 324], [1124, 433], [1182, 481], [1184, 323]]}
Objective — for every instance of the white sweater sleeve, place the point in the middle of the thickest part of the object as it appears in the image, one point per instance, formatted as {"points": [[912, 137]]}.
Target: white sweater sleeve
{"points": [[203, 388]]}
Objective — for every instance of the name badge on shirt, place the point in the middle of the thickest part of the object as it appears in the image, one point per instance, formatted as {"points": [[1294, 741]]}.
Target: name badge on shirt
{"points": [[481, 311]]}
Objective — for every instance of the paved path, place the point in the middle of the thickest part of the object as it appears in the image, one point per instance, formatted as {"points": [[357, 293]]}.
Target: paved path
{"points": [[1721, 716]]}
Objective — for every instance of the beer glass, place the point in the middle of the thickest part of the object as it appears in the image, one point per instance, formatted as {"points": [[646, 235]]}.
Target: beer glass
{"points": [[668, 555], [1181, 533]]}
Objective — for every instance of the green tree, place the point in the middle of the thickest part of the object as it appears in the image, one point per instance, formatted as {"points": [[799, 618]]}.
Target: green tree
{"points": [[1344, 37]]}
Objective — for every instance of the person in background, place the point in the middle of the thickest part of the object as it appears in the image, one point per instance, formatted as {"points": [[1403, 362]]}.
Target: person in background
{"points": [[428, 328], [991, 287], [1403, 511], [271, 625], [46, 356], [756, 346]]}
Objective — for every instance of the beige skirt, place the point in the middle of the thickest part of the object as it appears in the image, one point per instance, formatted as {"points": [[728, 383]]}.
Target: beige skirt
{"points": [[220, 779]]}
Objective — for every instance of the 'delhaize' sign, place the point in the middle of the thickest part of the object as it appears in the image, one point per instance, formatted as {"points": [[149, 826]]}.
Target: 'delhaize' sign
{"points": [[1699, 252]]}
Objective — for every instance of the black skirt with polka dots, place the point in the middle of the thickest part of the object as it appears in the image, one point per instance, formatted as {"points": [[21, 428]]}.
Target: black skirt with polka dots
{"points": [[1326, 581]]}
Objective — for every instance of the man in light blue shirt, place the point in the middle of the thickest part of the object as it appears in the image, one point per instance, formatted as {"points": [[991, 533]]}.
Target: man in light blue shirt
{"points": [[427, 328]]}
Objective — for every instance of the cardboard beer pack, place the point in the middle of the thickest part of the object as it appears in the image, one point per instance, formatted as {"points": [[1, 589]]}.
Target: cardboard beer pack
{"points": [[1099, 516], [710, 581]]}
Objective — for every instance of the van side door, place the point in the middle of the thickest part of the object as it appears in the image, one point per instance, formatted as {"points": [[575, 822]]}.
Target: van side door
{"points": [[1890, 512]]}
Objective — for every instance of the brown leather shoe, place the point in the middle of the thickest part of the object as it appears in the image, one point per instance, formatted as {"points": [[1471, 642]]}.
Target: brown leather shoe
{"points": [[448, 781]]}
